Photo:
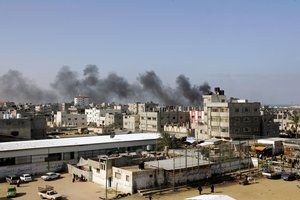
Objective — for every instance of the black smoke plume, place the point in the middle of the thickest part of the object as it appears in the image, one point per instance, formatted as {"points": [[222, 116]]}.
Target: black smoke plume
{"points": [[113, 88], [15, 87]]}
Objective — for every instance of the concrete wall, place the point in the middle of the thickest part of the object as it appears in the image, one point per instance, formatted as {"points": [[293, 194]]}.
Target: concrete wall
{"points": [[74, 170], [34, 168], [16, 128]]}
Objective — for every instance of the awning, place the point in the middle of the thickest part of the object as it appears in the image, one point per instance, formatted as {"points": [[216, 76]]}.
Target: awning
{"points": [[260, 148]]}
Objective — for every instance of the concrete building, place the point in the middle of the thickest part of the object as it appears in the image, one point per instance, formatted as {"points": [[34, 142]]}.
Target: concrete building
{"points": [[155, 121], [65, 119], [131, 122], [282, 116], [39, 156], [269, 128], [81, 101], [138, 107], [23, 128], [229, 119], [104, 117]]}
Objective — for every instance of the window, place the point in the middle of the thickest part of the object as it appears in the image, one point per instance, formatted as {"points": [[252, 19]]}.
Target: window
{"points": [[102, 166], [127, 178], [246, 109], [53, 157], [246, 119], [237, 110], [246, 130], [117, 175], [14, 133]]}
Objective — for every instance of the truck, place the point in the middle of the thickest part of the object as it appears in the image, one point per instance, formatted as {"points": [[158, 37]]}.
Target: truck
{"points": [[48, 193]]}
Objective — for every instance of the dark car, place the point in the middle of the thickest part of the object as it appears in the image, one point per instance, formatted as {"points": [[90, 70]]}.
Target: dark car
{"points": [[288, 176], [13, 179]]}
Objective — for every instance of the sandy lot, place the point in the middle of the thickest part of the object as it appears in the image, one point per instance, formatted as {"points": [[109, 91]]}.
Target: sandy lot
{"points": [[64, 186], [262, 189]]}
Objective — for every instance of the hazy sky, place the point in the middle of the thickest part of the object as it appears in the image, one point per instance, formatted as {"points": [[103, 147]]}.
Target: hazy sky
{"points": [[249, 48]]}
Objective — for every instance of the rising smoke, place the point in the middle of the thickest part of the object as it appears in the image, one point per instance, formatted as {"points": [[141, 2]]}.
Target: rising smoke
{"points": [[113, 88], [15, 87]]}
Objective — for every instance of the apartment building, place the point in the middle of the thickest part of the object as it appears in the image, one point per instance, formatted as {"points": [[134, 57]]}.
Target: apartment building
{"points": [[229, 119], [81, 101], [65, 119], [104, 117], [155, 121], [131, 122], [136, 108]]}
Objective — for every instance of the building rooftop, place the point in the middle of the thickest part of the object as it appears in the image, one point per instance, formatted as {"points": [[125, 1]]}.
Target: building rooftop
{"points": [[78, 141], [135, 168], [179, 163]]}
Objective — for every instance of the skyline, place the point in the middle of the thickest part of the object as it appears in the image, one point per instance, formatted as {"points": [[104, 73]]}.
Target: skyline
{"points": [[249, 49]]}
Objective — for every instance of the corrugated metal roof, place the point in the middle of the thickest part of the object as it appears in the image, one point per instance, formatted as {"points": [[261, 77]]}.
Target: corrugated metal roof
{"points": [[179, 163], [77, 141]]}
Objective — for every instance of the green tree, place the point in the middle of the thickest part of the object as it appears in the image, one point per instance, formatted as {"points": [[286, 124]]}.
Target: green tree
{"points": [[167, 140]]}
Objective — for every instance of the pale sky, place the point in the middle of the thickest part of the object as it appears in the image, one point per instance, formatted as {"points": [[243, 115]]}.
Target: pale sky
{"points": [[251, 49]]}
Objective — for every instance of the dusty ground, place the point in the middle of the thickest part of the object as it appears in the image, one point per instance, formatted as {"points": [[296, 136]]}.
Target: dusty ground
{"points": [[64, 186], [262, 189]]}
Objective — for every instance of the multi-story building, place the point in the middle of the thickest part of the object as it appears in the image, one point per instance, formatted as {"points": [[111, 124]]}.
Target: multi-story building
{"points": [[131, 122], [230, 119], [81, 101], [136, 108], [269, 127], [64, 119], [283, 116], [155, 121], [23, 128], [104, 117]]}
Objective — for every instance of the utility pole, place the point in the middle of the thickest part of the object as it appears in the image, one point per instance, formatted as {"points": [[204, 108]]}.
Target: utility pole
{"points": [[106, 175], [173, 171], [186, 171]]}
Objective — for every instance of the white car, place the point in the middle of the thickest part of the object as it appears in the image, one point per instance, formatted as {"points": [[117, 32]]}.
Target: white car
{"points": [[26, 178], [50, 175]]}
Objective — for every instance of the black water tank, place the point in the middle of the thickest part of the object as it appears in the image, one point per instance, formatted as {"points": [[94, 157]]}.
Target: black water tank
{"points": [[142, 165]]}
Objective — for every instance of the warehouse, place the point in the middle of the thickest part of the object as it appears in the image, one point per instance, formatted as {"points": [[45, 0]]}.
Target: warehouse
{"points": [[39, 156]]}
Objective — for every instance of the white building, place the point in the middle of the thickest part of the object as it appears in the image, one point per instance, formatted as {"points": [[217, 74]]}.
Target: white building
{"points": [[131, 122], [104, 117], [39, 156], [81, 101]]}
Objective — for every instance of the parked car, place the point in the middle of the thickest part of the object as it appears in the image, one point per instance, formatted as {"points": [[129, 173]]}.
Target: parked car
{"points": [[11, 192], [288, 176], [53, 195], [26, 178], [50, 176], [12, 179]]}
